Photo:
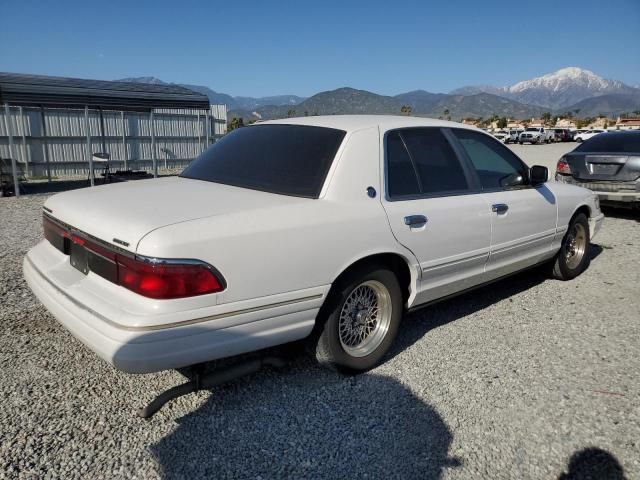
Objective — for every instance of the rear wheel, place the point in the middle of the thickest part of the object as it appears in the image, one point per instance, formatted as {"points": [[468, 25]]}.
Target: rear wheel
{"points": [[573, 257], [359, 321]]}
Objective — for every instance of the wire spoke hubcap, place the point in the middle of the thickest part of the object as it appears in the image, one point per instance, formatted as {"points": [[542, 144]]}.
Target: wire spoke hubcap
{"points": [[575, 245], [365, 318]]}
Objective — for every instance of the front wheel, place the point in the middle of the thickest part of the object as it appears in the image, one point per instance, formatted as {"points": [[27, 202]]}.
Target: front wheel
{"points": [[573, 257], [359, 321]]}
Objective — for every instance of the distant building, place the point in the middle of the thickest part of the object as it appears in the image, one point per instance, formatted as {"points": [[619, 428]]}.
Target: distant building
{"points": [[600, 122], [515, 124], [566, 123], [628, 123], [538, 122]]}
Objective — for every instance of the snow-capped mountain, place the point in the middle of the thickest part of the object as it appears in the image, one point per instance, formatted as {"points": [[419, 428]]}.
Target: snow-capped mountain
{"points": [[559, 89]]}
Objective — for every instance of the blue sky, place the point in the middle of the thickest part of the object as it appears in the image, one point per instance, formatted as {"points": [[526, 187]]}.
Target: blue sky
{"points": [[297, 47]]}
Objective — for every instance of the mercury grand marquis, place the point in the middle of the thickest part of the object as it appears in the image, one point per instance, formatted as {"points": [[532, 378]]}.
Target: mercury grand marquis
{"points": [[318, 228]]}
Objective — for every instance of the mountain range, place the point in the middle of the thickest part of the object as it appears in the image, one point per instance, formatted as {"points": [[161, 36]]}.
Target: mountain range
{"points": [[570, 89], [556, 90], [232, 103]]}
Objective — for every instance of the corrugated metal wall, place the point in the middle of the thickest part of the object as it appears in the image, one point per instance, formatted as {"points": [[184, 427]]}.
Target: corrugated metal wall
{"points": [[180, 135]]}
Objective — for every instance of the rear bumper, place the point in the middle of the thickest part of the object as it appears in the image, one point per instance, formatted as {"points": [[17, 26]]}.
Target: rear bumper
{"points": [[237, 328], [608, 192]]}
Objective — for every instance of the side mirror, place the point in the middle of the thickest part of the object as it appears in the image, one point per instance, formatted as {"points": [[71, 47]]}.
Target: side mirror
{"points": [[538, 175]]}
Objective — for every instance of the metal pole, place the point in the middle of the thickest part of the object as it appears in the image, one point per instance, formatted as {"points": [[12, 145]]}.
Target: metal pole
{"points": [[124, 139], [25, 160], [153, 145], [89, 152], [104, 147], [199, 133], [8, 125], [206, 129], [45, 148]]}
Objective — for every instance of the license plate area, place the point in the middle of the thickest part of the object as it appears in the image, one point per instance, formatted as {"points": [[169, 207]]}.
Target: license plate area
{"points": [[79, 258], [604, 168]]}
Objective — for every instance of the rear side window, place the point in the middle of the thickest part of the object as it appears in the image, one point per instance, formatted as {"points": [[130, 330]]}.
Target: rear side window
{"points": [[402, 178], [612, 143], [492, 161], [420, 161], [285, 159]]}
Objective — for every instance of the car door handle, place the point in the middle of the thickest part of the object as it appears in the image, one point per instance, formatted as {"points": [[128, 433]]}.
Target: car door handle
{"points": [[415, 221], [500, 208]]}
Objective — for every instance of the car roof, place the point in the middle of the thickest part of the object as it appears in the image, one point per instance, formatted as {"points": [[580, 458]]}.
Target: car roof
{"points": [[350, 123]]}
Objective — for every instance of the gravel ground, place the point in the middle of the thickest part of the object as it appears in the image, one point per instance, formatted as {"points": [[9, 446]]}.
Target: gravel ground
{"points": [[527, 378]]}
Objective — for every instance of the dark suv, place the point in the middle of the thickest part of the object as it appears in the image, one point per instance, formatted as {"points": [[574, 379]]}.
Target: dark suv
{"points": [[607, 164], [563, 135]]}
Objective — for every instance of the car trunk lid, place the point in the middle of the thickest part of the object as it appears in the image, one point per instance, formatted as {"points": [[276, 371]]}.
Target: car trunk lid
{"points": [[122, 213], [603, 166]]}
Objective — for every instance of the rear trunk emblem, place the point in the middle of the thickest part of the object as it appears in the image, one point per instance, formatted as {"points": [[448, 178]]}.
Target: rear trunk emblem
{"points": [[120, 242]]}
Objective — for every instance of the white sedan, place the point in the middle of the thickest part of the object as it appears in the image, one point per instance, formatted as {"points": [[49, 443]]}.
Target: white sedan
{"points": [[324, 228], [581, 137]]}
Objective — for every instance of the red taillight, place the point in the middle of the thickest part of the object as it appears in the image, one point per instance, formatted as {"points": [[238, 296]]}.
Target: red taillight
{"points": [[563, 167], [153, 278], [166, 280]]}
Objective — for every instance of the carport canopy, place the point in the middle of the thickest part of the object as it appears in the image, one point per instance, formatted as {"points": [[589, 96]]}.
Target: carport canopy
{"points": [[61, 92]]}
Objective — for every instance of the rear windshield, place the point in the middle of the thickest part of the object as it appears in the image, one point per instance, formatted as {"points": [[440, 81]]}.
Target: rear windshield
{"points": [[612, 143], [285, 159]]}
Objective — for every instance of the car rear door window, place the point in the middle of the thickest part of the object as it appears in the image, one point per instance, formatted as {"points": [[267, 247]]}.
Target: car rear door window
{"points": [[422, 162], [494, 163], [402, 180]]}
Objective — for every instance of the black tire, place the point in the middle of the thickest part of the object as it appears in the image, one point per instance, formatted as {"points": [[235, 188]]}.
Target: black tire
{"points": [[579, 140], [562, 267], [326, 344], [520, 143]]}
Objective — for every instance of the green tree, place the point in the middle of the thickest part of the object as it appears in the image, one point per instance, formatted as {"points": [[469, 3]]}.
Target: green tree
{"points": [[235, 123], [291, 113], [502, 122], [546, 116], [406, 109]]}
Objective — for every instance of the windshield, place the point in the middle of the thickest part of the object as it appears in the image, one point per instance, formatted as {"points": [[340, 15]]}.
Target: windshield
{"points": [[531, 129], [284, 159]]}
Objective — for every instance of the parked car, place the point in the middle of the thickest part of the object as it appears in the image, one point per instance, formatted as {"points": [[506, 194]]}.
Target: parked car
{"points": [[581, 137], [324, 228], [607, 164], [512, 136], [562, 135], [535, 135], [501, 135]]}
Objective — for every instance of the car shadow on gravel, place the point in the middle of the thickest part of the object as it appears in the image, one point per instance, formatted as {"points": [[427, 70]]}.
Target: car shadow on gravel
{"points": [[306, 422], [418, 323], [622, 213]]}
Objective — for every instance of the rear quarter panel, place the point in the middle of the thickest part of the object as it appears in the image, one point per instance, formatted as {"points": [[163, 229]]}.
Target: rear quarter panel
{"points": [[569, 199]]}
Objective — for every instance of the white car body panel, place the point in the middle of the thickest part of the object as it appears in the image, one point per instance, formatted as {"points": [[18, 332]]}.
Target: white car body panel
{"points": [[452, 247], [279, 254]]}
